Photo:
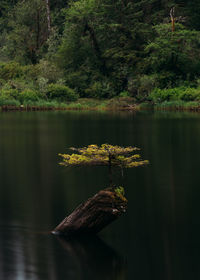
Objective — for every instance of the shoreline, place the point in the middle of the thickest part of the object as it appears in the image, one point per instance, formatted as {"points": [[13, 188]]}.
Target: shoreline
{"points": [[108, 105], [9, 108]]}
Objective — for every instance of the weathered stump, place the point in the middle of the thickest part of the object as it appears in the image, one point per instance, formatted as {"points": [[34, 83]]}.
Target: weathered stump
{"points": [[93, 215]]}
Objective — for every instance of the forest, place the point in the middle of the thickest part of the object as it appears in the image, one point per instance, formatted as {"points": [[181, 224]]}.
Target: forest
{"points": [[59, 51]]}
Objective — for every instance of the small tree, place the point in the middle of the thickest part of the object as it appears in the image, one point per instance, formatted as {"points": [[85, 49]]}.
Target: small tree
{"points": [[108, 204], [104, 155]]}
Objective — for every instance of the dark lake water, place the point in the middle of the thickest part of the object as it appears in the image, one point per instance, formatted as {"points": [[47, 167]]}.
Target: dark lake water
{"points": [[158, 237]]}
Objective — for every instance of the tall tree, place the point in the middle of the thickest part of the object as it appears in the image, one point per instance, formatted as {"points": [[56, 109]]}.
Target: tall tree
{"points": [[106, 39], [48, 16], [174, 54], [28, 31]]}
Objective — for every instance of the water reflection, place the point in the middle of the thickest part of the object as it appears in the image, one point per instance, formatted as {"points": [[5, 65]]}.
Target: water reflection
{"points": [[159, 235], [29, 255], [94, 259]]}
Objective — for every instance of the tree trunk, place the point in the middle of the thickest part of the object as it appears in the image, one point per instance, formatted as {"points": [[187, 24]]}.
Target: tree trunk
{"points": [[96, 47], [48, 16], [172, 16], [38, 30], [93, 215]]}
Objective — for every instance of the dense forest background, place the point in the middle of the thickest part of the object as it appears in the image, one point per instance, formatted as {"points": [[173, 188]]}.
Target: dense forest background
{"points": [[98, 48]]}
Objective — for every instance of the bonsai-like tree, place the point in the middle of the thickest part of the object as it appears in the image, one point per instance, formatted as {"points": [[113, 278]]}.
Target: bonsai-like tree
{"points": [[108, 204], [104, 155]]}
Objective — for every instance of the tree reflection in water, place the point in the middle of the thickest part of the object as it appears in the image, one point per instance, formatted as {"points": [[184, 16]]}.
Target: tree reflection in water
{"points": [[94, 259], [34, 255]]}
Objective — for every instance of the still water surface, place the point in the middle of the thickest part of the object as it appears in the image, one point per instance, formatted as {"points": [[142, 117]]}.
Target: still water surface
{"points": [[158, 237]]}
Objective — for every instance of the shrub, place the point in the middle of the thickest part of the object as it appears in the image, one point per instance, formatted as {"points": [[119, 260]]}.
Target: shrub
{"points": [[170, 105], [44, 103], [61, 93], [78, 81], [28, 96], [124, 94], [146, 84], [42, 84], [49, 71], [173, 94], [18, 84], [9, 93], [10, 70], [192, 105], [76, 106], [141, 86], [2, 82], [4, 100], [30, 71], [100, 90], [189, 94], [161, 95]]}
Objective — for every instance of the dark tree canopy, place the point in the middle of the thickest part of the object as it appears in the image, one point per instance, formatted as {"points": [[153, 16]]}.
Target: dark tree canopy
{"points": [[102, 48]]}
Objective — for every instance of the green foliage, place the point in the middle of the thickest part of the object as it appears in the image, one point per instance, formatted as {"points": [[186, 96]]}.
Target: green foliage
{"points": [[160, 95], [100, 90], [61, 92], [9, 93], [103, 155], [76, 106], [178, 105], [192, 11], [43, 104], [28, 96], [120, 103], [27, 31], [49, 71], [120, 191], [190, 94], [175, 52], [19, 85], [10, 70], [124, 94], [42, 84], [87, 104], [172, 94], [103, 44], [4, 100], [100, 49], [170, 105], [141, 87]]}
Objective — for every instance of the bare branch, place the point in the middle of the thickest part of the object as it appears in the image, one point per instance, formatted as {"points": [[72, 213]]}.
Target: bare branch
{"points": [[172, 16]]}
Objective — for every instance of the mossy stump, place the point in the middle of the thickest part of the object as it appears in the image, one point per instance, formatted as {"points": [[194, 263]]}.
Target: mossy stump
{"points": [[95, 214]]}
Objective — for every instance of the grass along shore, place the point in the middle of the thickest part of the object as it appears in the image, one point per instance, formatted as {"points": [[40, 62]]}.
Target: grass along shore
{"points": [[120, 103], [171, 106], [115, 104]]}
